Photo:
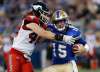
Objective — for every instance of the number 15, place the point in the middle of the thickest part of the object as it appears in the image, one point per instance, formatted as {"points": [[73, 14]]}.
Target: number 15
{"points": [[62, 52]]}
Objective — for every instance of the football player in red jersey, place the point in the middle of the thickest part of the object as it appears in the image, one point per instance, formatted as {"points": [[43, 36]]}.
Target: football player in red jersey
{"points": [[33, 27]]}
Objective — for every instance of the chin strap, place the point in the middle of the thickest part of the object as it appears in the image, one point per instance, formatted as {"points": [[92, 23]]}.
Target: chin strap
{"points": [[60, 29]]}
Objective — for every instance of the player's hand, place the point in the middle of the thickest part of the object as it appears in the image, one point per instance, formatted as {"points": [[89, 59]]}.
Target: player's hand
{"points": [[69, 39], [78, 49]]}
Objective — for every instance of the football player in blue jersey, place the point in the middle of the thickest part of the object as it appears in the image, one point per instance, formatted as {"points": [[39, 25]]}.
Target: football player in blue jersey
{"points": [[63, 53]]}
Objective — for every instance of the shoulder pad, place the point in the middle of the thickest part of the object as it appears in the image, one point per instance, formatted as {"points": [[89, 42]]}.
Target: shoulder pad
{"points": [[74, 28], [76, 31]]}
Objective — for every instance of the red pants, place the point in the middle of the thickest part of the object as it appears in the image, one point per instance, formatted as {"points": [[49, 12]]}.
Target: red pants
{"points": [[18, 63]]}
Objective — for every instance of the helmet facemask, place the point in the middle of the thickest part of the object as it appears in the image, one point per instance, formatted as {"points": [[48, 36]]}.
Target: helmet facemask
{"points": [[61, 24], [44, 16]]}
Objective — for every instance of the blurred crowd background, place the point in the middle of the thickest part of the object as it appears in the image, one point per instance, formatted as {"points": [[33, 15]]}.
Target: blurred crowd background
{"points": [[84, 14]]}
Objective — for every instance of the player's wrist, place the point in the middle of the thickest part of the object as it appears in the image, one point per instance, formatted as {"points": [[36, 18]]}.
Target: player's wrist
{"points": [[59, 37]]}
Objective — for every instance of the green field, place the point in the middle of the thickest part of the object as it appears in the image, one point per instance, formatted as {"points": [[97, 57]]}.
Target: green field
{"points": [[88, 70]]}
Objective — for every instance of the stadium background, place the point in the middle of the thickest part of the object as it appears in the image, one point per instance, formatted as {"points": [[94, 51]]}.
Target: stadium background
{"points": [[84, 14]]}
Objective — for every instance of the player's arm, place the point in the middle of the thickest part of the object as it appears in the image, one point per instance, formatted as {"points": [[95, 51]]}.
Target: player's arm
{"points": [[81, 46], [84, 43], [43, 33]]}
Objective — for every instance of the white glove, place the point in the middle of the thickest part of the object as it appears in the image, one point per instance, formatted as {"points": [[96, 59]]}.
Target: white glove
{"points": [[69, 39]]}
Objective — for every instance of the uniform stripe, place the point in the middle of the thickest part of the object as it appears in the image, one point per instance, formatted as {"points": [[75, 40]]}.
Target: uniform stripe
{"points": [[10, 63], [75, 69]]}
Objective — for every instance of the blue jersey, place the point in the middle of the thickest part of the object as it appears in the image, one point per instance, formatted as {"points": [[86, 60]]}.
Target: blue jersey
{"points": [[62, 52]]}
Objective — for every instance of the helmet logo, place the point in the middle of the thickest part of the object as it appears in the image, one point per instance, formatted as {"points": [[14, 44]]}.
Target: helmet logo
{"points": [[36, 7], [58, 14]]}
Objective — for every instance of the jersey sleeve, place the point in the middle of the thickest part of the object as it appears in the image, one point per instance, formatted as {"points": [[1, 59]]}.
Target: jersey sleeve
{"points": [[80, 41], [29, 19], [50, 27], [79, 38]]}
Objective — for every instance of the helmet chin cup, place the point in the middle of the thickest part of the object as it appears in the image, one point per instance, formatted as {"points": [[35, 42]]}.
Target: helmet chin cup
{"points": [[60, 29]]}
